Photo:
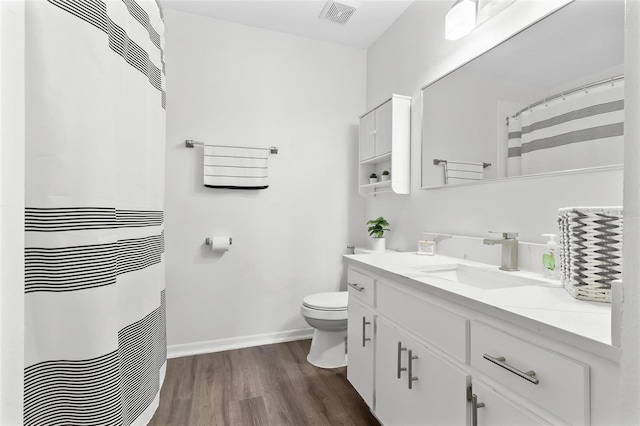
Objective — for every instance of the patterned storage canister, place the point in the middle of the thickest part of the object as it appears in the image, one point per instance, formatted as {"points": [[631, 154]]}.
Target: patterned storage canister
{"points": [[590, 251]]}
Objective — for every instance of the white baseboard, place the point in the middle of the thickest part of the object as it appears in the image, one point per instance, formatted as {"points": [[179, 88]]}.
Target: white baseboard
{"points": [[210, 346]]}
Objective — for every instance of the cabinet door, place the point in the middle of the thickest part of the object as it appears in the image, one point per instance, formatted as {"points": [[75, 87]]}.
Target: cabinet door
{"points": [[383, 129], [360, 350], [437, 395], [498, 411], [367, 136]]}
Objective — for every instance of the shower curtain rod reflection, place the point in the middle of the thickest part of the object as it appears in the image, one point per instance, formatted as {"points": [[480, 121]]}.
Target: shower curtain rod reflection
{"points": [[569, 92], [190, 143]]}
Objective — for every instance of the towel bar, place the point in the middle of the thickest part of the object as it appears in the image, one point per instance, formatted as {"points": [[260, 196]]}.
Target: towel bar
{"points": [[190, 143]]}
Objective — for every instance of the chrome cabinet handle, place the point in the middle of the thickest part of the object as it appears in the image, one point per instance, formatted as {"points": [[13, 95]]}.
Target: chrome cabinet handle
{"points": [[529, 376], [355, 287], [474, 409], [410, 377], [400, 367], [365, 323]]}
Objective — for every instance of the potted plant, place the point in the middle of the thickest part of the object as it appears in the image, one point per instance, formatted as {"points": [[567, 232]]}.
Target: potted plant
{"points": [[373, 178], [376, 231], [385, 175]]}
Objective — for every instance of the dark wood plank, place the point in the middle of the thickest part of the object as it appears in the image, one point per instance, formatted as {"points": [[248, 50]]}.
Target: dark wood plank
{"points": [[270, 385]]}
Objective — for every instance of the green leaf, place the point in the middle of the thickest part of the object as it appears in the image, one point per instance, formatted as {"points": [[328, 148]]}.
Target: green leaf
{"points": [[378, 227]]}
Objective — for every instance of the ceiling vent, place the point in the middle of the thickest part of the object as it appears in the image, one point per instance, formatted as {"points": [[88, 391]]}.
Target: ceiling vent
{"points": [[339, 12]]}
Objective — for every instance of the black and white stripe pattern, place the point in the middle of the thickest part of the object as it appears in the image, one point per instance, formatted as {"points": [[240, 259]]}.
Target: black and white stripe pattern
{"points": [[69, 219], [139, 253], [142, 351], [236, 167], [584, 128], [601, 246], [462, 171], [138, 218], [84, 267], [85, 218], [73, 392], [112, 389], [94, 12], [76, 268], [141, 16], [95, 344], [577, 136], [582, 135], [135, 55], [590, 250], [70, 268]]}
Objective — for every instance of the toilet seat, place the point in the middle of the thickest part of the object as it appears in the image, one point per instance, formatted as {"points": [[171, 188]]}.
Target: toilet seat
{"points": [[332, 301]]}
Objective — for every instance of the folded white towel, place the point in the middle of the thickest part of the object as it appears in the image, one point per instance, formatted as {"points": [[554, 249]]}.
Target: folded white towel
{"points": [[460, 171], [236, 168]]}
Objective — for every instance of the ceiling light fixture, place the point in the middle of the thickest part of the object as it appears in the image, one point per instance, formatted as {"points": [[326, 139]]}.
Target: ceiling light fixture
{"points": [[460, 20], [487, 9]]}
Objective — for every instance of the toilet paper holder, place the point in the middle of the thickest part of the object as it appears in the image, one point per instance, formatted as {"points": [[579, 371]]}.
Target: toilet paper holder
{"points": [[207, 241]]}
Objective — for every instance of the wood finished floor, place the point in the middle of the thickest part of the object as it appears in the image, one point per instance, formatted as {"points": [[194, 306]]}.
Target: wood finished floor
{"points": [[271, 385]]}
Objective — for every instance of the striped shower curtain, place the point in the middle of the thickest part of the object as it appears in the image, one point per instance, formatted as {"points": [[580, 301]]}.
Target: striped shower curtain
{"points": [[95, 343], [579, 130]]}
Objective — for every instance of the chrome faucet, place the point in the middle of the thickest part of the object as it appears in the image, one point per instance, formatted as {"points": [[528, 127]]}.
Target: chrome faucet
{"points": [[509, 249]]}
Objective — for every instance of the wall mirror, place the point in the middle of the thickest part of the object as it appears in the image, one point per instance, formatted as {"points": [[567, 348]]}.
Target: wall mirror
{"points": [[548, 100]]}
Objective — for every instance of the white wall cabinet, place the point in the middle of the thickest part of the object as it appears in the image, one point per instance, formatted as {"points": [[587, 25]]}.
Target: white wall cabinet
{"points": [[385, 136], [428, 362], [368, 136]]}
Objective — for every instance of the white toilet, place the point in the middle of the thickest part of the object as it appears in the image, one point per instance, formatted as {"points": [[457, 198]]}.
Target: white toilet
{"points": [[327, 314]]}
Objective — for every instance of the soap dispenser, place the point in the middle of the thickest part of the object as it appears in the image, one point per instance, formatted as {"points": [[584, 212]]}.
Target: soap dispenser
{"points": [[549, 257]]}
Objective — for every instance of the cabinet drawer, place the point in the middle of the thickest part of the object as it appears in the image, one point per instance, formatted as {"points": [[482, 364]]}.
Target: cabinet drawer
{"points": [[562, 383], [435, 325], [361, 287]]}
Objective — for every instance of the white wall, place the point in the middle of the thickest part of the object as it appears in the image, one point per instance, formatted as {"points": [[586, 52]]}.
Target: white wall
{"points": [[12, 121], [239, 85], [412, 53]]}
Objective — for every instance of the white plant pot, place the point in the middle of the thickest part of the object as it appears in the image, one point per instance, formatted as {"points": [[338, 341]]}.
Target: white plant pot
{"points": [[378, 245], [373, 180], [386, 177]]}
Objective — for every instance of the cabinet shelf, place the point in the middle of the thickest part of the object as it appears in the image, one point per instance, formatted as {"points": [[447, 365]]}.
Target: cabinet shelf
{"points": [[379, 159], [385, 145], [376, 185]]}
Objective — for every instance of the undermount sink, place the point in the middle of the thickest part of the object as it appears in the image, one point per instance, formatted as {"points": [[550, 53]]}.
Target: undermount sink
{"points": [[480, 278]]}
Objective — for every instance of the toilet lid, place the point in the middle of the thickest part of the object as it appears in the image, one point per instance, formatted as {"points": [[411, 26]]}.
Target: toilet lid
{"points": [[333, 301]]}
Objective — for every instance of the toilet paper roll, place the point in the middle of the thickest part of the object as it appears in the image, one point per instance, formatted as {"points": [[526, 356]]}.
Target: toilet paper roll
{"points": [[220, 243]]}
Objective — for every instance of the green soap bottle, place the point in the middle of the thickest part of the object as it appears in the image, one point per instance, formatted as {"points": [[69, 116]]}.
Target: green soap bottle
{"points": [[549, 257]]}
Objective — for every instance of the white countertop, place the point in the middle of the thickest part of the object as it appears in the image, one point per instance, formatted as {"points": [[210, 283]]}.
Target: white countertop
{"points": [[548, 308]]}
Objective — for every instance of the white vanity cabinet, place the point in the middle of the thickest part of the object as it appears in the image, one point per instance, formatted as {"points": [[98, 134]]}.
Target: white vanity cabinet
{"points": [[418, 358], [360, 341], [548, 379], [491, 409], [385, 134], [413, 385], [360, 334]]}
